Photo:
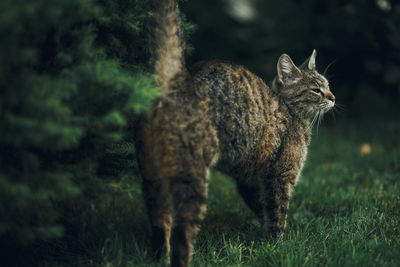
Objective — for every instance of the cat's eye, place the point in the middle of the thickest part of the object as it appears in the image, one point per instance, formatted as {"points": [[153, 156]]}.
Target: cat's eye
{"points": [[317, 91]]}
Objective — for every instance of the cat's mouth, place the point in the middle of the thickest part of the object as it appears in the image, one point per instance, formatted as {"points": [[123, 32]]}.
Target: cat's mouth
{"points": [[319, 111], [325, 106], [329, 104]]}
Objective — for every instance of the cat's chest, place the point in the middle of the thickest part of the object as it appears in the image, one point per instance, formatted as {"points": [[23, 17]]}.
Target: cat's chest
{"points": [[298, 148], [286, 136]]}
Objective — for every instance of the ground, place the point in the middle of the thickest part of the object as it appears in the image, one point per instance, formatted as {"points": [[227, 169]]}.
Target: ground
{"points": [[344, 211]]}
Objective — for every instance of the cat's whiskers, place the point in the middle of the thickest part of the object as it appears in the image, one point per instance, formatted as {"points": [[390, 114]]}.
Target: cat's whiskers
{"points": [[319, 119], [339, 108], [319, 115], [327, 68], [314, 119]]}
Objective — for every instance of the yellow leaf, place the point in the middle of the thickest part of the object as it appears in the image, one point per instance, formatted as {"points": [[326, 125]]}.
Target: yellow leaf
{"points": [[365, 149]]}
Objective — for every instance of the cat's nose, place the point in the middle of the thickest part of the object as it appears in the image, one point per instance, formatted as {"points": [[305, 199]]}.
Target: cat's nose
{"points": [[330, 97]]}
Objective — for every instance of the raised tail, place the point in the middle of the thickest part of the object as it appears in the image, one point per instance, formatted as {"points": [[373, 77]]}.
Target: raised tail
{"points": [[169, 46]]}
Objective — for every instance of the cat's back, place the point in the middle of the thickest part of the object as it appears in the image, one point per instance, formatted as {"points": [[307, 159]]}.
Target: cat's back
{"points": [[232, 87], [241, 105], [224, 76]]}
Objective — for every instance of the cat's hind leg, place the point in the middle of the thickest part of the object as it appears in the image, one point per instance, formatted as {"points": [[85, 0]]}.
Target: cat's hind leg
{"points": [[155, 192], [189, 192], [160, 209]]}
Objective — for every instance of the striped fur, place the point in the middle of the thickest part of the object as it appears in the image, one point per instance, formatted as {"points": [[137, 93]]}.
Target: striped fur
{"points": [[169, 45], [221, 114]]}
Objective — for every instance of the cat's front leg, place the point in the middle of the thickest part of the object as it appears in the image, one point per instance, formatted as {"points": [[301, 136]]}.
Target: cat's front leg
{"points": [[269, 199], [277, 186]]}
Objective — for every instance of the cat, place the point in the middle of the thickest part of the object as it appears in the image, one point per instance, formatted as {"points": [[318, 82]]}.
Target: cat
{"points": [[221, 115]]}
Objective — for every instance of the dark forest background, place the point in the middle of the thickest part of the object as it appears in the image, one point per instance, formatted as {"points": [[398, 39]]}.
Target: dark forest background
{"points": [[74, 78], [359, 40]]}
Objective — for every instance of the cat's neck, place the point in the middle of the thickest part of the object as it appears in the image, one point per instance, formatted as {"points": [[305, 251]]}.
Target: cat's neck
{"points": [[298, 115], [297, 112]]}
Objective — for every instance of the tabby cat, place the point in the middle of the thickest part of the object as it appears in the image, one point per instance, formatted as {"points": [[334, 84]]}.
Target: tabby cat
{"points": [[221, 114]]}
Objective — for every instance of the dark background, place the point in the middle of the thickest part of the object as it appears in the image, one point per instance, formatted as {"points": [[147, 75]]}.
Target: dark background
{"points": [[74, 78], [359, 40]]}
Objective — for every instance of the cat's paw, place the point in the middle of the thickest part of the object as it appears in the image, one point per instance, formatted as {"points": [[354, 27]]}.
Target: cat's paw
{"points": [[275, 230]]}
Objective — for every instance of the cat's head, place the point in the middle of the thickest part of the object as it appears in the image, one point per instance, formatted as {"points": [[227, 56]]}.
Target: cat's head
{"points": [[303, 89]]}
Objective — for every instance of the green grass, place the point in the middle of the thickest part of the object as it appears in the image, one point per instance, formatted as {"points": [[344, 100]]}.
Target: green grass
{"points": [[344, 212]]}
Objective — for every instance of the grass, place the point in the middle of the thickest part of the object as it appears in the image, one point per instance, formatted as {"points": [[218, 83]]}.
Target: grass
{"points": [[344, 212]]}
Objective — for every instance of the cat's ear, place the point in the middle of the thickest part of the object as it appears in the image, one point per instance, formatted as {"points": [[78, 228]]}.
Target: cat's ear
{"points": [[309, 64], [288, 73]]}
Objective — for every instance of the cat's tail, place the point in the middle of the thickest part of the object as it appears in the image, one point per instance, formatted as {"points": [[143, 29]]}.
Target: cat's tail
{"points": [[169, 46]]}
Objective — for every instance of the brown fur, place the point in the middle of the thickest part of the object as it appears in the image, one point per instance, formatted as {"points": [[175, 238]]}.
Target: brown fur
{"points": [[220, 114]]}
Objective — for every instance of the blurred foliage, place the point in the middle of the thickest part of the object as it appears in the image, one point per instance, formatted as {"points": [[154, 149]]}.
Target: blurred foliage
{"points": [[72, 82], [360, 38]]}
